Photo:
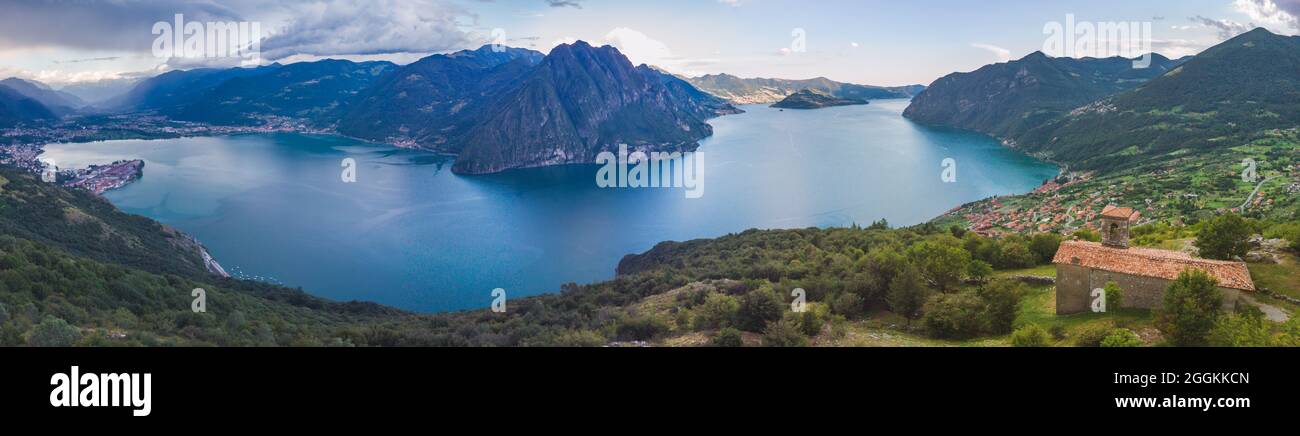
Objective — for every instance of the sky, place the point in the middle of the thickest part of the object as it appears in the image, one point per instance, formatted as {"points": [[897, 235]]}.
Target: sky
{"points": [[874, 42]]}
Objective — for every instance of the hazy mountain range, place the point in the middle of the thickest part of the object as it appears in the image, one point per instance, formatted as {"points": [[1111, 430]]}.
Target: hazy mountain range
{"points": [[766, 91]]}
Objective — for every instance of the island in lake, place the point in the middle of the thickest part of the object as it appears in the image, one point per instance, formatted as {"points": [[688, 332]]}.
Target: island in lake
{"points": [[810, 99]]}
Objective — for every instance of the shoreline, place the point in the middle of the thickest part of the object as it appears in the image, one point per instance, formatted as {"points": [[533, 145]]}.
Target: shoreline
{"points": [[335, 134]]}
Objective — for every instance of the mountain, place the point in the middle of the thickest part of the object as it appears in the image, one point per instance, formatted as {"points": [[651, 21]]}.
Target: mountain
{"points": [[95, 93], [809, 99], [307, 90], [767, 91], [60, 103], [435, 100], [1226, 96], [1007, 99], [581, 100], [18, 109], [173, 89]]}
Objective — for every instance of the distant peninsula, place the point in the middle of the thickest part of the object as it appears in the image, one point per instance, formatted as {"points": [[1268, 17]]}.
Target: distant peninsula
{"points": [[809, 99]]}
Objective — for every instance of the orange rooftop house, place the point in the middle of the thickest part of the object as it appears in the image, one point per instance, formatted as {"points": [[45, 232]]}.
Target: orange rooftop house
{"points": [[1143, 273]]}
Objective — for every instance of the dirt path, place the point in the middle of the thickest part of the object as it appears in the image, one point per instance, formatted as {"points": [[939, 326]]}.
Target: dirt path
{"points": [[1273, 313]]}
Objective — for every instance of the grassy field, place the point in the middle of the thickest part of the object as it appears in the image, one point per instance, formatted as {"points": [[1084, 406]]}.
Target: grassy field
{"points": [[1282, 278]]}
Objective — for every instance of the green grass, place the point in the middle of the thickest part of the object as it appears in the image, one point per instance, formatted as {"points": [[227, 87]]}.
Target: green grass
{"points": [[1039, 307], [1038, 271], [1282, 278]]}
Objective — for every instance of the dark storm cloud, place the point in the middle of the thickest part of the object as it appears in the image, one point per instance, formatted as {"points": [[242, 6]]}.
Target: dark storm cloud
{"points": [[322, 27], [96, 25]]}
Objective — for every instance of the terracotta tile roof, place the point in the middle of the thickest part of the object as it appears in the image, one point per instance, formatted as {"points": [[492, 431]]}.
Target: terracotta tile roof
{"points": [[1120, 213], [1149, 262]]}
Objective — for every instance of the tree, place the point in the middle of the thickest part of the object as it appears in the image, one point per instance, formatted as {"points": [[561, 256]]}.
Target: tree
{"points": [[941, 264], [1001, 303], [979, 271], [907, 294], [1192, 305], [1114, 296], [757, 308], [1224, 237], [728, 337], [1044, 246], [1121, 338], [717, 311], [54, 332], [1016, 255], [1030, 336]]}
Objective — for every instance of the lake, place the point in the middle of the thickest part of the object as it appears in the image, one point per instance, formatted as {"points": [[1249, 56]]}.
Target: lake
{"points": [[411, 234]]}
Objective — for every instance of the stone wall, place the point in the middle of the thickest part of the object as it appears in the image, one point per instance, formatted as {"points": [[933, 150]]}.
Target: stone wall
{"points": [[1074, 285]]}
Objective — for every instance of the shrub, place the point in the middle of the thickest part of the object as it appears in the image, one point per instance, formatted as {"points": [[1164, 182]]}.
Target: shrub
{"points": [[809, 322], [1057, 331], [941, 264], [1001, 302], [1224, 237], [1192, 305], [1241, 330], [641, 328], [1114, 296], [1092, 336], [728, 337], [1044, 246], [1288, 231], [54, 332], [907, 294], [1030, 336], [783, 334], [580, 338], [954, 316], [848, 304], [717, 311], [1016, 255], [757, 308], [1121, 338]]}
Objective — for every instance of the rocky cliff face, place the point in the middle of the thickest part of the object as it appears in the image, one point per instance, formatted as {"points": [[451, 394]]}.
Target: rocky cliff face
{"points": [[582, 100]]}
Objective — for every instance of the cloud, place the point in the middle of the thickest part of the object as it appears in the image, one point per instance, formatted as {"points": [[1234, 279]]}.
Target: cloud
{"points": [[1277, 14], [1226, 28], [639, 48], [115, 25], [732, 3], [1002, 54], [564, 3], [360, 27]]}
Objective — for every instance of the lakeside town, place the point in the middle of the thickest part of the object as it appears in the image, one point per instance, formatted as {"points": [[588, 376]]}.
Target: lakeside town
{"points": [[22, 146]]}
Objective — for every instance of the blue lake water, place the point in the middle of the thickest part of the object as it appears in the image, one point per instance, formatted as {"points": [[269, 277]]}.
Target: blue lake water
{"points": [[411, 234]]}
